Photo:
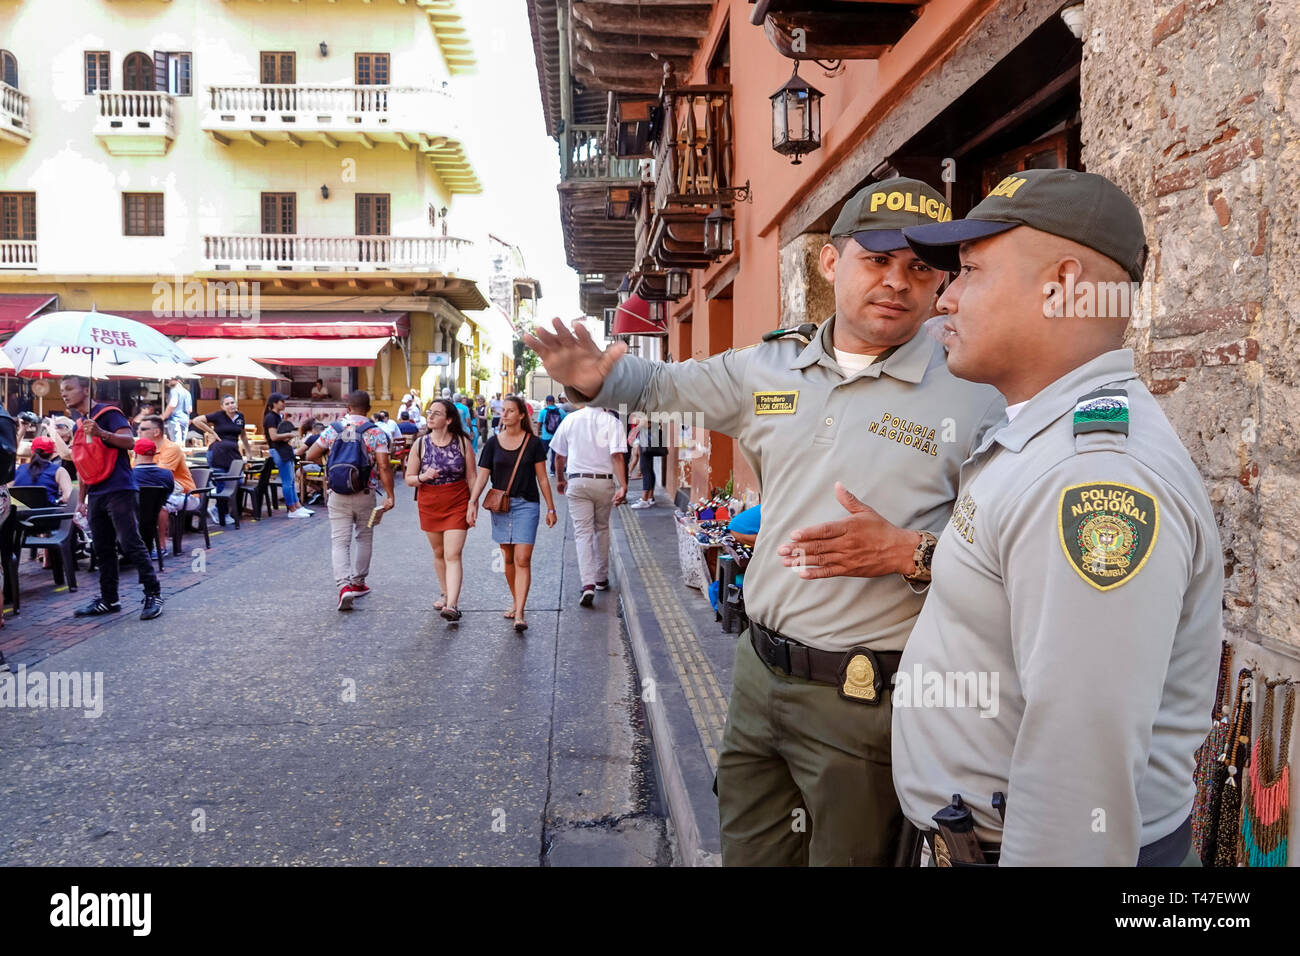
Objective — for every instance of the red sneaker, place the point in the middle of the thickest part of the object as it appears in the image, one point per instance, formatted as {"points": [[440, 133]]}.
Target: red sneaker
{"points": [[346, 596], [361, 591]]}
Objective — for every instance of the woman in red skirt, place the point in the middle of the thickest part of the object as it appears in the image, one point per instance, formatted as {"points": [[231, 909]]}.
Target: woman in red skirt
{"points": [[441, 468]]}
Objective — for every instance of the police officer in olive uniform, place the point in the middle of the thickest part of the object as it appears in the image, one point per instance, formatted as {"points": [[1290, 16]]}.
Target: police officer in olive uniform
{"points": [[867, 401], [1082, 564]]}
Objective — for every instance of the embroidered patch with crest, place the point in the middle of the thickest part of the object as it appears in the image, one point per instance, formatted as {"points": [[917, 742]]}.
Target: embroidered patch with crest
{"points": [[1105, 410], [1107, 531]]}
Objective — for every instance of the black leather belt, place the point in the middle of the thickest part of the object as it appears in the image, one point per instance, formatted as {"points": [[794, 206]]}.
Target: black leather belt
{"points": [[808, 663], [585, 475]]}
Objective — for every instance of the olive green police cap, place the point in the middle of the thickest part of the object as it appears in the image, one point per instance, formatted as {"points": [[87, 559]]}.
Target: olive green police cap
{"points": [[877, 214], [1082, 207]]}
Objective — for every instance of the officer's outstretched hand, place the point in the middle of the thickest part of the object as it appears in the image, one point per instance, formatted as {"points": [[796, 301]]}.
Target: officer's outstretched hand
{"points": [[573, 357], [863, 545]]}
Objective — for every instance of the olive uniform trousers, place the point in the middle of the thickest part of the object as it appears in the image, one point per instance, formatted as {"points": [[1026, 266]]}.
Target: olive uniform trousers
{"points": [[804, 776]]}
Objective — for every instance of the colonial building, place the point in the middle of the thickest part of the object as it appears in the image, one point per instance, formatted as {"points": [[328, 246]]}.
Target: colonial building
{"points": [[269, 178], [1187, 105]]}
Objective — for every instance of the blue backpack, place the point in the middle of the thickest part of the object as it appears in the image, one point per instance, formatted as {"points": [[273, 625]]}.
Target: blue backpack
{"points": [[350, 462]]}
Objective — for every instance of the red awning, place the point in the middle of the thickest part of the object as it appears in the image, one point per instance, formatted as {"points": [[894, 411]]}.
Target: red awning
{"points": [[280, 325], [17, 309], [633, 318]]}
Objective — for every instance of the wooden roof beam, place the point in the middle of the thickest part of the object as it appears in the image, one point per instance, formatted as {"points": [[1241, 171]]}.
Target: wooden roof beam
{"points": [[678, 22]]}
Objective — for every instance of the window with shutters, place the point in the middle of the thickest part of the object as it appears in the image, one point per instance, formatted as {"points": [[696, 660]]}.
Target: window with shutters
{"points": [[9, 68], [278, 67], [279, 213], [18, 216], [372, 214], [137, 72], [142, 214], [171, 73], [97, 72], [371, 69]]}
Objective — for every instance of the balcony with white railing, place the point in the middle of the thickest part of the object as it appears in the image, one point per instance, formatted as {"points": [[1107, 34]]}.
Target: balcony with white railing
{"points": [[17, 253], [15, 115], [135, 122], [441, 255], [290, 113]]}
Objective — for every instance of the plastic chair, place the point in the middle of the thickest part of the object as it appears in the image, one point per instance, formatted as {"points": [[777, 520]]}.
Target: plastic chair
{"points": [[227, 499], [151, 502], [33, 496], [54, 533], [258, 491], [180, 521]]}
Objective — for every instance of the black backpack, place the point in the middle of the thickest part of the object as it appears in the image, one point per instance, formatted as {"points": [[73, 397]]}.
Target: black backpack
{"points": [[8, 446]]}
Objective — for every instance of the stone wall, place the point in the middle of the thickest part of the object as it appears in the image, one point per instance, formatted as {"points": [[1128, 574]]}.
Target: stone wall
{"points": [[805, 295], [1193, 108]]}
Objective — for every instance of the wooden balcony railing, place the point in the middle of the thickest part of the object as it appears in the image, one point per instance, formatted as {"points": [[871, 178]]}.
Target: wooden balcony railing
{"points": [[586, 157], [693, 159]]}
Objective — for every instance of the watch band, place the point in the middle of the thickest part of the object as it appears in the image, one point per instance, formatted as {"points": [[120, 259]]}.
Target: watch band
{"points": [[921, 556]]}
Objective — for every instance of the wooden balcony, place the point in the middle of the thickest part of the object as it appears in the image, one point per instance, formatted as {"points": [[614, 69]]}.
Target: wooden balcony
{"points": [[587, 157], [835, 29], [17, 253], [135, 122], [15, 115], [593, 243]]}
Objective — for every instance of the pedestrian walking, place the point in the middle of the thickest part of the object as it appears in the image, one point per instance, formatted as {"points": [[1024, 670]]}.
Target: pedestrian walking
{"points": [[495, 405], [1082, 563], [649, 445], [481, 417], [229, 442], [180, 406], [549, 417], [515, 462], [441, 468], [358, 448], [280, 433], [591, 460], [110, 498], [865, 398]]}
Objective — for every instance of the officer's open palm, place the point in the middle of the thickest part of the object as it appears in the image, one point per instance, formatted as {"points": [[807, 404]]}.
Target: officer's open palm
{"points": [[861, 545], [573, 358]]}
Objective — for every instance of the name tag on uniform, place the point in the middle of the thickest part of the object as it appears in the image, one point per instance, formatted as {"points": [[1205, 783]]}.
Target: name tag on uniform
{"points": [[775, 403]]}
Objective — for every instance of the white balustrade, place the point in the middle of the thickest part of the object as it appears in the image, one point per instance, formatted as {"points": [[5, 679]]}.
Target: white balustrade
{"points": [[17, 253], [442, 254], [136, 113], [16, 108]]}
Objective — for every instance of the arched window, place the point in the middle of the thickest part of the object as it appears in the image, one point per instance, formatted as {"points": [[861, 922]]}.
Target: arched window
{"points": [[137, 72], [9, 68]]}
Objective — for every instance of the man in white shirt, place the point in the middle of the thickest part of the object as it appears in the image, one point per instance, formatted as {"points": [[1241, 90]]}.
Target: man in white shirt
{"points": [[180, 405], [591, 458]]}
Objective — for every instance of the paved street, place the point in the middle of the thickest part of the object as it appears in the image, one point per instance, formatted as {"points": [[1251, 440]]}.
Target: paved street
{"points": [[254, 724]]}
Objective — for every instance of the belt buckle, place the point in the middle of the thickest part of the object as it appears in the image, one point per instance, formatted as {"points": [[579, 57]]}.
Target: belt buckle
{"points": [[861, 679]]}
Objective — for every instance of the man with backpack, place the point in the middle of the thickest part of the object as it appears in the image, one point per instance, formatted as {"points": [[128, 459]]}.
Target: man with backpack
{"points": [[548, 422], [356, 447], [110, 497]]}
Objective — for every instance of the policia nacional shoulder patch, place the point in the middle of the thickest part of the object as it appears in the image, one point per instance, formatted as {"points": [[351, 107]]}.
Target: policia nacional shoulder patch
{"points": [[1107, 531]]}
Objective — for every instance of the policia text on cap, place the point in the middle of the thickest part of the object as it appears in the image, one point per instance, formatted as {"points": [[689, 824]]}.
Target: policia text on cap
{"points": [[867, 401]]}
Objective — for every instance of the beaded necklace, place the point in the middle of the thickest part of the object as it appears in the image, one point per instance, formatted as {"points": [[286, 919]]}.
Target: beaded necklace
{"points": [[1266, 795], [1208, 785], [1221, 843]]}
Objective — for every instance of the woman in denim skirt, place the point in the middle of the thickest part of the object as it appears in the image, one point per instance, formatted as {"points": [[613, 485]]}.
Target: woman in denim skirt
{"points": [[516, 530]]}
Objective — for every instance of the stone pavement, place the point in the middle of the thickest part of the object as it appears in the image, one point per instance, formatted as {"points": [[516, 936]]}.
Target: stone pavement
{"points": [[254, 724]]}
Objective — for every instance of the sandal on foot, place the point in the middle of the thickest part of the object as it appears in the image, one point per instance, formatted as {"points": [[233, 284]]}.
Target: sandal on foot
{"points": [[509, 615], [450, 613], [441, 603], [520, 625]]}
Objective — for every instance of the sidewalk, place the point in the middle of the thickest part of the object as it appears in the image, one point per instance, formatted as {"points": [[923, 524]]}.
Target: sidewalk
{"points": [[685, 662]]}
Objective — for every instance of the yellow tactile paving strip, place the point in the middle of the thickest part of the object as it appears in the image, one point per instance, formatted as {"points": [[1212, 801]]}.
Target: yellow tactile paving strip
{"points": [[703, 694]]}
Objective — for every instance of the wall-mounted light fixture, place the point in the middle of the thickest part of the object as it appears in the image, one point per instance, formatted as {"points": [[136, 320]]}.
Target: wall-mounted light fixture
{"points": [[796, 118], [324, 192], [324, 50]]}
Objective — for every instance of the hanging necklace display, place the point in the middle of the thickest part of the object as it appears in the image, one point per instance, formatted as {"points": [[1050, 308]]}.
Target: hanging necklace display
{"points": [[1221, 843], [1266, 796], [1209, 785]]}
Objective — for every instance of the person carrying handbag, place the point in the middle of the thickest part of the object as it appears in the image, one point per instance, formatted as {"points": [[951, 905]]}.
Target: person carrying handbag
{"points": [[515, 461], [440, 467]]}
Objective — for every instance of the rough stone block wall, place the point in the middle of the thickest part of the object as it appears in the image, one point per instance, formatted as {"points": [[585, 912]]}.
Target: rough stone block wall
{"points": [[1193, 107], [805, 295]]}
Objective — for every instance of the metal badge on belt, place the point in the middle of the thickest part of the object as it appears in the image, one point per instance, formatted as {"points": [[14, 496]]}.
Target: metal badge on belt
{"points": [[860, 677]]}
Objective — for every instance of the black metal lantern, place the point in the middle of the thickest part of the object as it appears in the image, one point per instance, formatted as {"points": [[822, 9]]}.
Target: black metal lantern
{"points": [[796, 118], [659, 312], [679, 283], [621, 202], [719, 233]]}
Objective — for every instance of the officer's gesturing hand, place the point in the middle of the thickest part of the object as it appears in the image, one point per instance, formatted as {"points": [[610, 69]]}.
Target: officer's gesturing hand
{"points": [[863, 545], [573, 357]]}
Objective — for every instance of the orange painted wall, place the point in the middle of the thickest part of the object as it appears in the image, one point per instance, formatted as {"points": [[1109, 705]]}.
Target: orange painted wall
{"points": [[853, 103]]}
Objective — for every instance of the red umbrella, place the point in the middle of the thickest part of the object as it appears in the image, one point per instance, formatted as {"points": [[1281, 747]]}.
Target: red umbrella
{"points": [[633, 318]]}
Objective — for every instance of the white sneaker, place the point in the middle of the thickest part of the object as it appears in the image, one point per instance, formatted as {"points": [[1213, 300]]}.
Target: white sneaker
{"points": [[300, 513], [641, 504]]}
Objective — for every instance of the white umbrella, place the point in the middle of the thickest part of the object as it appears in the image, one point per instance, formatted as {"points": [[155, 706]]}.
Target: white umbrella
{"points": [[148, 369], [233, 366], [99, 335], [58, 364]]}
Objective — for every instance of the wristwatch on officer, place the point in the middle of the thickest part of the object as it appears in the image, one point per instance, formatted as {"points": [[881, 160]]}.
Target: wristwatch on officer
{"points": [[921, 556]]}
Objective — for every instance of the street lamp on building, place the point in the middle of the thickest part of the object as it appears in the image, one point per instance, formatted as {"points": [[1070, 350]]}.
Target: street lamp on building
{"points": [[620, 202], [796, 118], [719, 233], [679, 283]]}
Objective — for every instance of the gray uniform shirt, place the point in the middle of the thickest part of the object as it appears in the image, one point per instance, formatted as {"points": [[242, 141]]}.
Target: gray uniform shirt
{"points": [[1084, 574], [895, 434]]}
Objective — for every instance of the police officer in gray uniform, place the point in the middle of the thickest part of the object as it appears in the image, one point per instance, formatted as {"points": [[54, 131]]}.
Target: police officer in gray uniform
{"points": [[867, 402], [1081, 568]]}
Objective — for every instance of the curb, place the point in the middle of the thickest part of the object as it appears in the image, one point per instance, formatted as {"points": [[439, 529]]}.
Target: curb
{"points": [[681, 810]]}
